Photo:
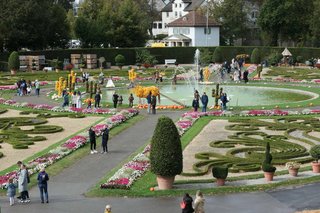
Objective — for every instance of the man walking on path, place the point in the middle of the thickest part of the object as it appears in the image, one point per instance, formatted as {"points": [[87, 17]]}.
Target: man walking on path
{"points": [[43, 178], [115, 99], [105, 138], [97, 99], [204, 101], [37, 85], [92, 137], [149, 102]]}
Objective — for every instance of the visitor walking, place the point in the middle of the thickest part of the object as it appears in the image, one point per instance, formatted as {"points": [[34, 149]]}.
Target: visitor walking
{"points": [[11, 191], [79, 100], [107, 209], [199, 203], [43, 178], [201, 75], [187, 200], [37, 86], [115, 99], [131, 98], [74, 99], [149, 102], [196, 95], [97, 99], [92, 138], [195, 105], [65, 98], [245, 76], [153, 103], [236, 77], [105, 138], [224, 100], [23, 184], [120, 100], [204, 101]]}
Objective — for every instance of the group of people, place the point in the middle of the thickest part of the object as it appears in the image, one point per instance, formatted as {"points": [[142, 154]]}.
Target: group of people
{"points": [[204, 101], [85, 76], [76, 100], [104, 142], [188, 206], [25, 87], [152, 103], [22, 181]]}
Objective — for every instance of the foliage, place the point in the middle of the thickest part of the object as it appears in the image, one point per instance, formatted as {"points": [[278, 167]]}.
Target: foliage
{"points": [[293, 165], [166, 151], [280, 20], [255, 56], [205, 56], [232, 16], [220, 172], [13, 61], [315, 152], [120, 60], [144, 56], [274, 58], [33, 24], [217, 55], [266, 165], [56, 63], [300, 59]]}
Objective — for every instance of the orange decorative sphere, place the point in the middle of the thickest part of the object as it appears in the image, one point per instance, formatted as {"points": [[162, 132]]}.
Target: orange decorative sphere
{"points": [[152, 189]]}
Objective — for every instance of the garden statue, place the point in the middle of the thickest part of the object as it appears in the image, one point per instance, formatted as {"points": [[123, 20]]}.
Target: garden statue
{"points": [[216, 93], [206, 73]]}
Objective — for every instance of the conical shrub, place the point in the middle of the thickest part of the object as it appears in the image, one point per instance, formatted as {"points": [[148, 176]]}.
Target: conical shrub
{"points": [[166, 151]]}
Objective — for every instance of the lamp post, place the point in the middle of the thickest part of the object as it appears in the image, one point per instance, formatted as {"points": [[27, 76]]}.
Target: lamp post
{"points": [[207, 24]]}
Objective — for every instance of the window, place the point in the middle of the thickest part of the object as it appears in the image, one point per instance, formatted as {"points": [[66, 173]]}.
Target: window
{"points": [[184, 30], [180, 14], [167, 14], [175, 5], [176, 14], [175, 30], [180, 5], [207, 30], [160, 26], [154, 26]]}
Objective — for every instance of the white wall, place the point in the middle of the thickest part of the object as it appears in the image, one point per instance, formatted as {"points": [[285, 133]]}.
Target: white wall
{"points": [[212, 39]]}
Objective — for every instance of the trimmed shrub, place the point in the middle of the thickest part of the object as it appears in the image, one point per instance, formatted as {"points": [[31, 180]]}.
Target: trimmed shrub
{"points": [[255, 56], [13, 61], [166, 151], [220, 172], [217, 56], [299, 59], [315, 152], [266, 165], [120, 60], [274, 58]]}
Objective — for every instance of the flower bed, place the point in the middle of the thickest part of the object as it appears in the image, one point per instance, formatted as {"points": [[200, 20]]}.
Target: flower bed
{"points": [[13, 87], [145, 106], [70, 145], [57, 108]]}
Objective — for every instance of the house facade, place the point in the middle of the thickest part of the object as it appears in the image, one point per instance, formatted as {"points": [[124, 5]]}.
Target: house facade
{"points": [[193, 29]]}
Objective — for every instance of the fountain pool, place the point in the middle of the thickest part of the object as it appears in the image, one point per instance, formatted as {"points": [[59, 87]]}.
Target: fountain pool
{"points": [[238, 95]]}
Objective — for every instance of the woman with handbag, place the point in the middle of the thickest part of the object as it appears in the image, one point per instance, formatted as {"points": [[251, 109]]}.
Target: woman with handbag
{"points": [[187, 204]]}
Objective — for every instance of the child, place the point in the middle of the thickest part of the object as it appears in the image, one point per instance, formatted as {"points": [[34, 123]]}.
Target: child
{"points": [[11, 190], [89, 104], [108, 209]]}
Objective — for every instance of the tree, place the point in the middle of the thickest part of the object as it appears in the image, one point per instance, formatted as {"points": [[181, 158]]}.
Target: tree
{"points": [[13, 61], [280, 20], [232, 16], [166, 151], [217, 56], [255, 56], [315, 24]]}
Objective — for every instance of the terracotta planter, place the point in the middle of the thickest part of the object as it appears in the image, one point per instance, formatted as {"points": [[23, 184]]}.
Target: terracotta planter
{"points": [[220, 182], [165, 182], [269, 176], [293, 172], [315, 167]]}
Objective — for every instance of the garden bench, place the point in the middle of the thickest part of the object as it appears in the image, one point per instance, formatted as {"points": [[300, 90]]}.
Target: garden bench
{"points": [[170, 61]]}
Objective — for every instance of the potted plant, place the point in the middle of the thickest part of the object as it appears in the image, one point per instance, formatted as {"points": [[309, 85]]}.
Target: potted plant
{"points": [[166, 153], [315, 153], [14, 62], [120, 59], [267, 166], [293, 168], [220, 173]]}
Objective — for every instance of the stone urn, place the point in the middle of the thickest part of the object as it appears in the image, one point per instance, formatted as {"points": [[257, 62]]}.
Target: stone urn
{"points": [[293, 172], [165, 182], [315, 167], [220, 182], [13, 72], [268, 176]]}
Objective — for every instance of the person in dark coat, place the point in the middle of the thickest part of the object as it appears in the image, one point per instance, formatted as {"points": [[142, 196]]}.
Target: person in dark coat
{"points": [[224, 101], [204, 101], [245, 76], [195, 105], [115, 99], [105, 138], [187, 199], [92, 137], [65, 98], [153, 103], [43, 178], [149, 102], [97, 99]]}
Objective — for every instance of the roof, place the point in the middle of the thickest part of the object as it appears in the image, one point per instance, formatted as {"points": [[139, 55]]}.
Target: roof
{"points": [[193, 19], [168, 7], [192, 5], [177, 37]]}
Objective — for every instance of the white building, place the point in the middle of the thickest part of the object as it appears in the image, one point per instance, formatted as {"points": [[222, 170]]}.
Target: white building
{"points": [[172, 11], [193, 29]]}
